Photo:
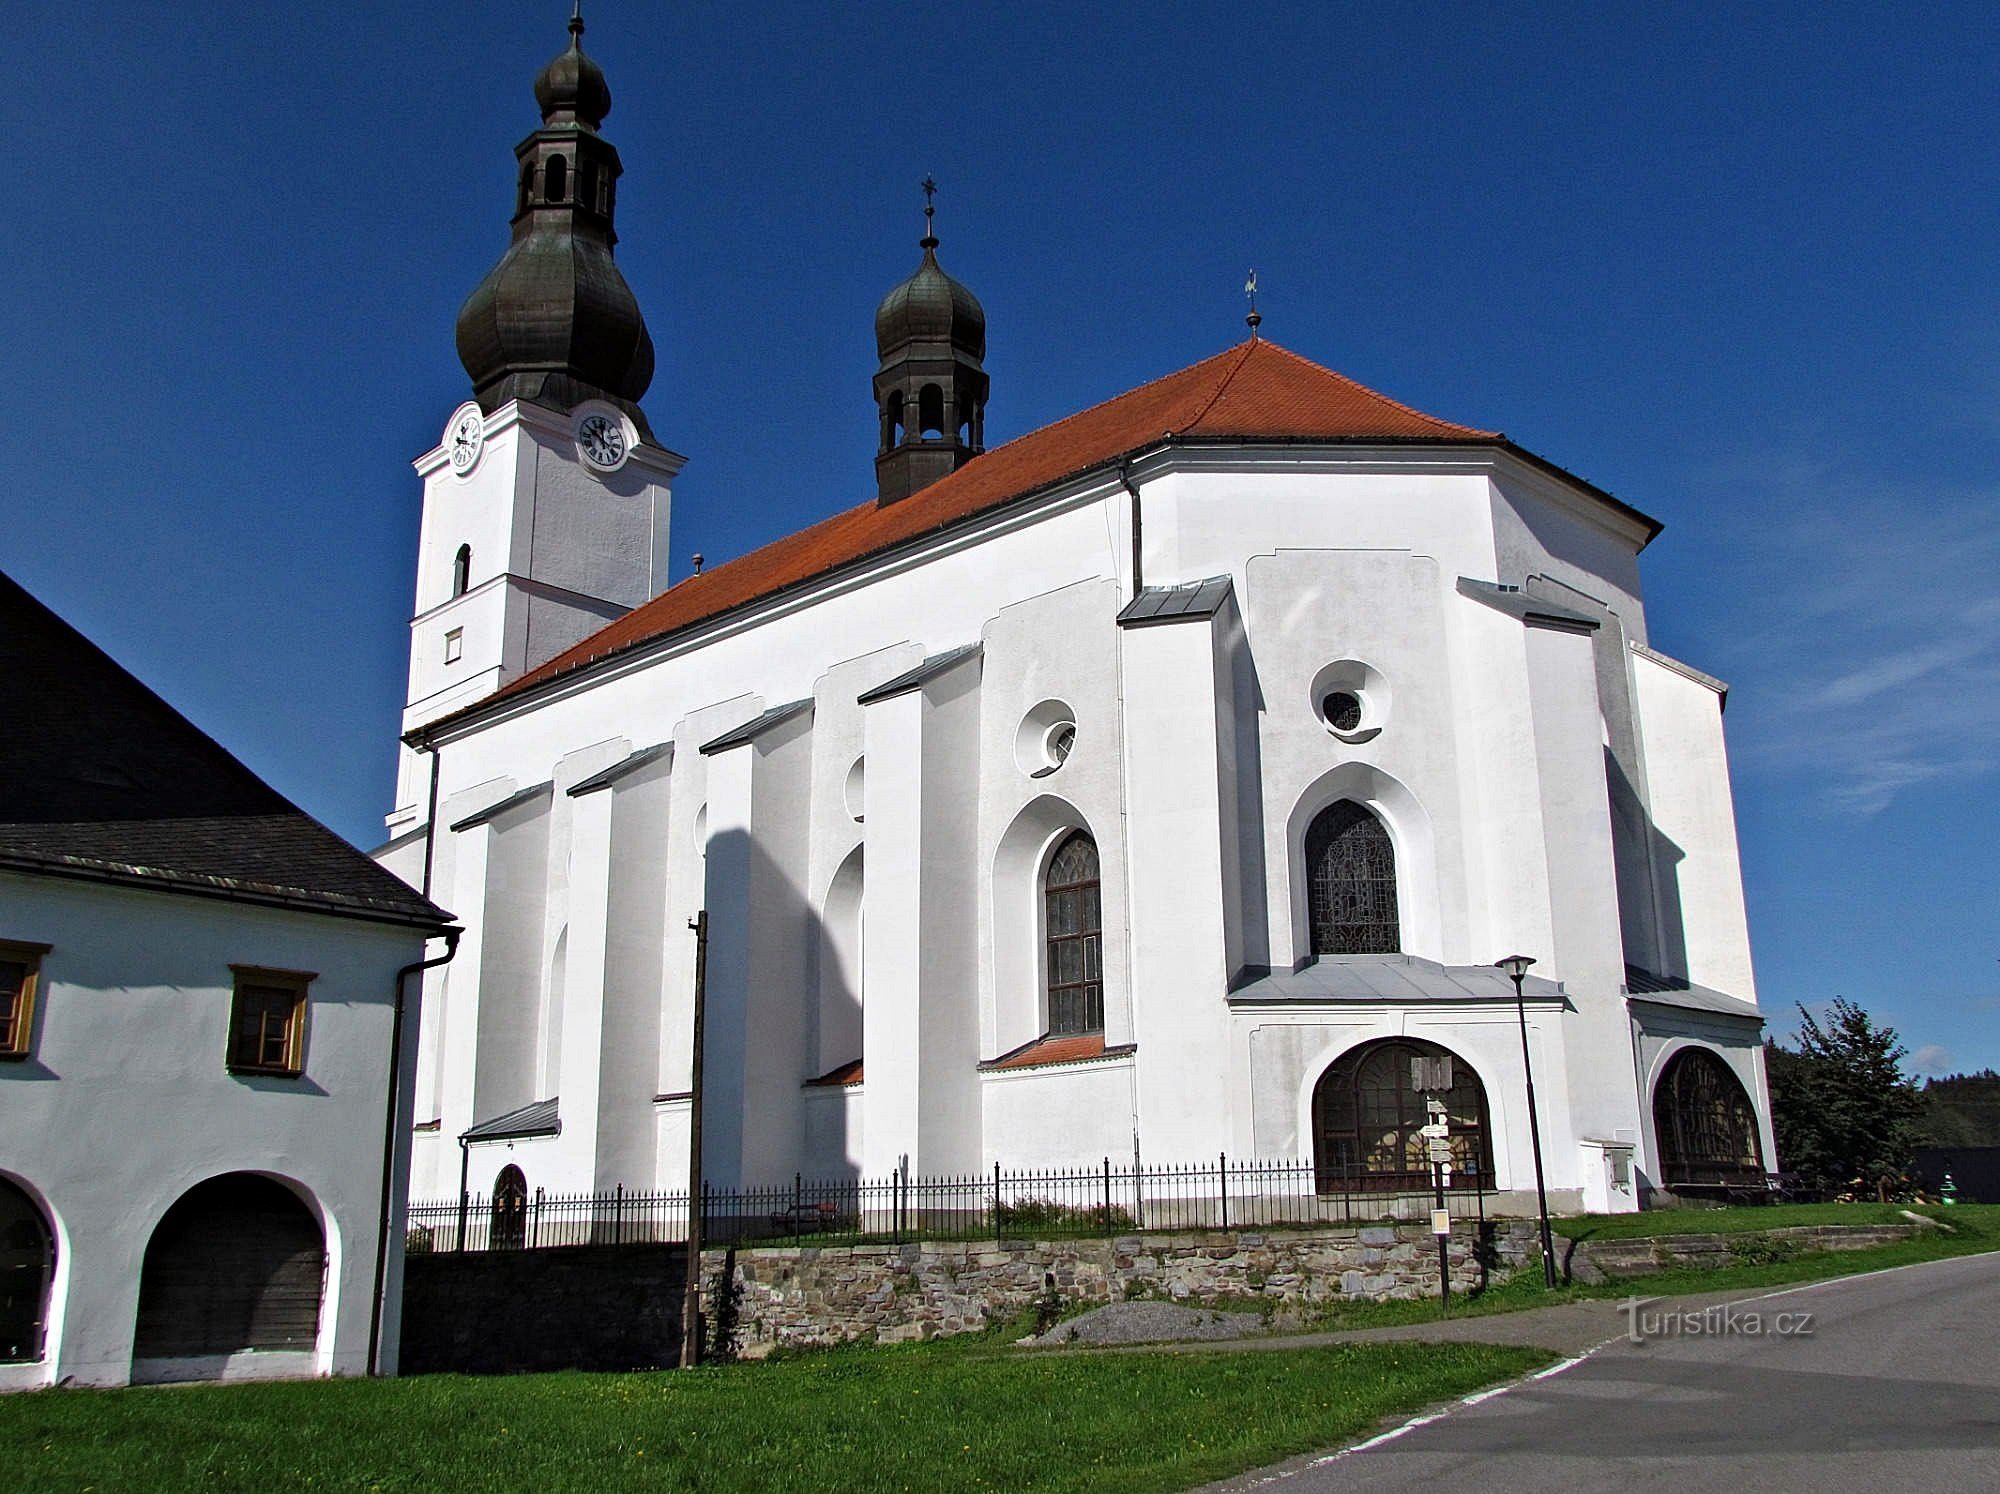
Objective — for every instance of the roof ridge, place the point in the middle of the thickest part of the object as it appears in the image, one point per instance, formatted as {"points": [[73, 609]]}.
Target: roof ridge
{"points": [[1111, 399], [1370, 389], [1243, 350]]}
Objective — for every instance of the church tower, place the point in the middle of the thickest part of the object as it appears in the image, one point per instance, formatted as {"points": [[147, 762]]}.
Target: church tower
{"points": [[546, 503], [930, 391]]}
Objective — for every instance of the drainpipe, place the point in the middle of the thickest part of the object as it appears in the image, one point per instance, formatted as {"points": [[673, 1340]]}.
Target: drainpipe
{"points": [[1138, 577], [390, 1132]]}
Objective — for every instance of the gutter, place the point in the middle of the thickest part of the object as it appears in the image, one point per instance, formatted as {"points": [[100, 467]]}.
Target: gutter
{"points": [[390, 1136]]}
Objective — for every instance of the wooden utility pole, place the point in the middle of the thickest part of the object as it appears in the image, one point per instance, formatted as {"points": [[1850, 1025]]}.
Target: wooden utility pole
{"points": [[691, 1300]]}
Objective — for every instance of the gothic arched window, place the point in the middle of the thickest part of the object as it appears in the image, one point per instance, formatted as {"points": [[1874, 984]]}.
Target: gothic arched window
{"points": [[1073, 927], [1351, 883], [586, 184], [461, 570], [508, 1229], [1370, 1107], [930, 411], [555, 179], [1706, 1126]]}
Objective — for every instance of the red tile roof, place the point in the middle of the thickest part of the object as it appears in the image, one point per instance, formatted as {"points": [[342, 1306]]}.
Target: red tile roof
{"points": [[841, 1074], [1253, 391], [1048, 1050]]}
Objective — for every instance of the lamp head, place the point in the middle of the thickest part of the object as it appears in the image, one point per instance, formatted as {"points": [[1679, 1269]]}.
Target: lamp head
{"points": [[1516, 966]]}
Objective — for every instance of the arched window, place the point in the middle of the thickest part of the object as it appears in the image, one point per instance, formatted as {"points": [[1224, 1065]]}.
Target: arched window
{"points": [[238, 1263], [27, 1265], [1706, 1126], [1073, 925], [586, 184], [896, 418], [461, 571], [527, 187], [930, 411], [555, 179], [1351, 883], [1369, 1110], [508, 1226]]}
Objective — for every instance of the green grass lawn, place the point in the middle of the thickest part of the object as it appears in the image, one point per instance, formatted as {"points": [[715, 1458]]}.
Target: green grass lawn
{"points": [[905, 1418], [1759, 1217]]}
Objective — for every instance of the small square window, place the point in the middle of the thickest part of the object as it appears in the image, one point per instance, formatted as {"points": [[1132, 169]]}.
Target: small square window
{"points": [[267, 1021], [20, 971], [454, 645]]}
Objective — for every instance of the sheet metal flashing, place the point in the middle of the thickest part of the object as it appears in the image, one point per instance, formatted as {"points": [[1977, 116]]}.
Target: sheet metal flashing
{"points": [[1376, 979], [1535, 612], [605, 777], [749, 731], [538, 1119], [923, 674], [1167, 604], [480, 817]]}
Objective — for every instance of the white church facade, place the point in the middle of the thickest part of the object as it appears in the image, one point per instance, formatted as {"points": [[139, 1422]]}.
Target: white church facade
{"points": [[1166, 780]]}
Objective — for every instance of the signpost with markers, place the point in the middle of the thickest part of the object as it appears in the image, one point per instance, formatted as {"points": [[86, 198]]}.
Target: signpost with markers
{"points": [[1437, 1141]]}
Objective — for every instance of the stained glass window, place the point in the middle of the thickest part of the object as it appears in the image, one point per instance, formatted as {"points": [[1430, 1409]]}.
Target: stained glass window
{"points": [[1369, 1110], [1706, 1126], [1073, 924], [1351, 883]]}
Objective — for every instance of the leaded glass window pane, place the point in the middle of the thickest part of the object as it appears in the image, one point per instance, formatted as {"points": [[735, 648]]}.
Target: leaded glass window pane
{"points": [[1369, 1112], [1072, 916], [1351, 883], [1706, 1125]]}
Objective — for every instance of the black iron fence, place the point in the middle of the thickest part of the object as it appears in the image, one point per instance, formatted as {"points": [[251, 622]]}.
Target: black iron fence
{"points": [[1111, 1199]]}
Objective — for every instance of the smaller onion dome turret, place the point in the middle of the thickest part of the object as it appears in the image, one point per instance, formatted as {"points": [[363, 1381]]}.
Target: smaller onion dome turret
{"points": [[931, 387], [554, 322]]}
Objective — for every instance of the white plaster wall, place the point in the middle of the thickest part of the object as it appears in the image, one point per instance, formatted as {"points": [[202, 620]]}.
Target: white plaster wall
{"points": [[126, 1102], [1694, 816], [1072, 1115]]}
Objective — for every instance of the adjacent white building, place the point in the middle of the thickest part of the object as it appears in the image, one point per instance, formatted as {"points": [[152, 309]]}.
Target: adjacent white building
{"points": [[201, 1175], [1166, 779]]}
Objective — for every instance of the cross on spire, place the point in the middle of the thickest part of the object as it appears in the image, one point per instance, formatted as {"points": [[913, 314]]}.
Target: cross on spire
{"points": [[930, 210], [1254, 320]]}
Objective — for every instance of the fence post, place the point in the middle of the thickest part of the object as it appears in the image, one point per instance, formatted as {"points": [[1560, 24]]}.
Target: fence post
{"points": [[618, 1217], [1222, 1173], [1107, 1196], [797, 1227], [998, 1233], [535, 1227]]}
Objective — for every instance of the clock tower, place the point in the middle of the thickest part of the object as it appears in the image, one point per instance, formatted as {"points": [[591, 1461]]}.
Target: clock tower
{"points": [[546, 500]]}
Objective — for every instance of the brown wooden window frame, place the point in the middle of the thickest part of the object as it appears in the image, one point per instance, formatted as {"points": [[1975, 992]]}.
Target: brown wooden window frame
{"points": [[290, 1061], [1073, 942], [17, 1007]]}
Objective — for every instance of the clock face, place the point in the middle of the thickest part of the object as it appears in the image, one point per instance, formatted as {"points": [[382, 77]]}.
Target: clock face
{"points": [[465, 438], [602, 441]]}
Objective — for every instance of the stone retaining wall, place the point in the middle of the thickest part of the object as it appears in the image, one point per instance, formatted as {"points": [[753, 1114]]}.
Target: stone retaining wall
{"points": [[821, 1295], [1593, 1261]]}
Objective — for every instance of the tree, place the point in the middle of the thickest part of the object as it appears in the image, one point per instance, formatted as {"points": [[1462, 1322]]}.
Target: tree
{"points": [[1962, 1110], [1840, 1104]]}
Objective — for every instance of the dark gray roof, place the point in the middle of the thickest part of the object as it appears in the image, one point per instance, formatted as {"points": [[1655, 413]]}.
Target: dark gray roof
{"points": [[102, 779], [495, 810], [605, 777], [1165, 604], [749, 731], [1677, 991], [923, 674], [1397, 977], [1534, 611], [538, 1119]]}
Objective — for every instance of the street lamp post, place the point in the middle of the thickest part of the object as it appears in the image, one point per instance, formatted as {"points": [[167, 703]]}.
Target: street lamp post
{"points": [[1516, 967]]}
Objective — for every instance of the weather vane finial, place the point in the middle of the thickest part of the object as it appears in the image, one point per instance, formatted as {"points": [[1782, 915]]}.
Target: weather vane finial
{"points": [[930, 210], [1253, 319], [576, 19]]}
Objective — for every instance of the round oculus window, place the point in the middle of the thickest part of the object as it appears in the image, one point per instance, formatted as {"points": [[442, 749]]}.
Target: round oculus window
{"points": [[1057, 745], [1342, 710]]}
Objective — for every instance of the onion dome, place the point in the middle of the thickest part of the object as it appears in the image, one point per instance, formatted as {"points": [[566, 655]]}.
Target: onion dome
{"points": [[554, 322], [931, 387], [572, 87], [930, 306]]}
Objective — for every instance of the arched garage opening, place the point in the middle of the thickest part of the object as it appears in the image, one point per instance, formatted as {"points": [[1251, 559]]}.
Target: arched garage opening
{"points": [[1705, 1123], [27, 1267], [238, 1263], [1369, 1110]]}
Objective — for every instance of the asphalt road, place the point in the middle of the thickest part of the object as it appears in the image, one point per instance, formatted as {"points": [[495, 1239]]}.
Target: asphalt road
{"points": [[1896, 1384]]}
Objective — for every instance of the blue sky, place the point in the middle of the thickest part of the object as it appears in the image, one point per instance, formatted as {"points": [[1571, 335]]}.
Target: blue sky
{"points": [[1737, 267]]}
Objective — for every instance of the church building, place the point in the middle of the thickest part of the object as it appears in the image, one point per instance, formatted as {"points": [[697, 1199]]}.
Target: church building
{"points": [[1166, 780]]}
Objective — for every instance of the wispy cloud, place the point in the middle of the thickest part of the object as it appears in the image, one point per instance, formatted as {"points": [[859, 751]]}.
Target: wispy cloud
{"points": [[1932, 1058], [1863, 624]]}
